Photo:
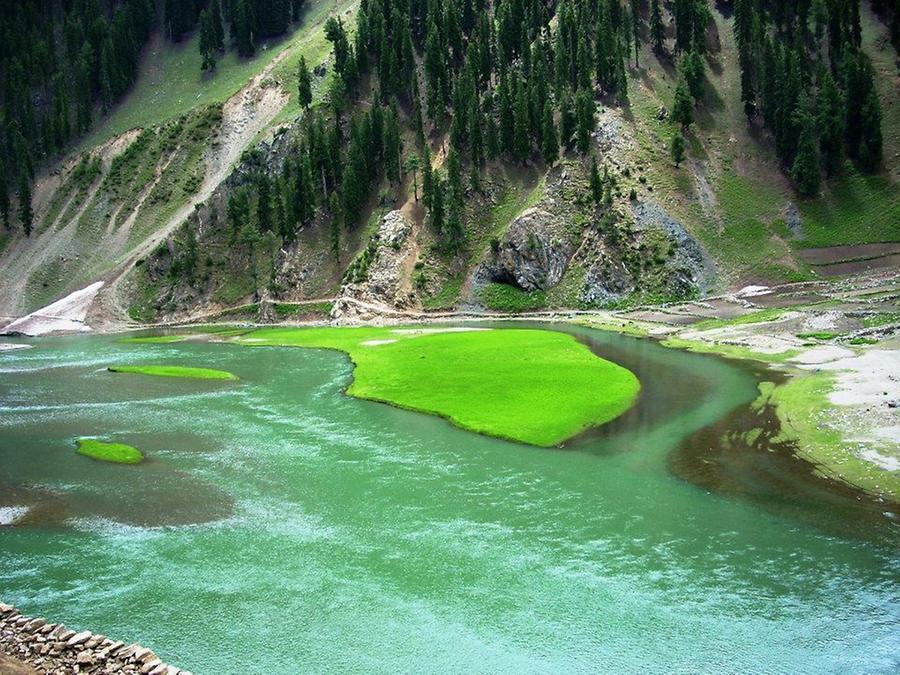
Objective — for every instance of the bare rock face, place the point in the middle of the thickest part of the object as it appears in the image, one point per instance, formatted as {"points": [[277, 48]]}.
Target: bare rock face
{"points": [[793, 219], [607, 278], [534, 252], [374, 280], [657, 253]]}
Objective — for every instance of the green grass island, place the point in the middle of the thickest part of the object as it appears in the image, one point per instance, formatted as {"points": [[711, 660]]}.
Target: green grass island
{"points": [[118, 453], [154, 339], [538, 387], [175, 371]]}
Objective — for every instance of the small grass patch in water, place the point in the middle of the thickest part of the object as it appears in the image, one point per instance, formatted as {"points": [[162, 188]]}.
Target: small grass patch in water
{"points": [[175, 371], [761, 316], [728, 351], [819, 335], [119, 453], [535, 386], [154, 339]]}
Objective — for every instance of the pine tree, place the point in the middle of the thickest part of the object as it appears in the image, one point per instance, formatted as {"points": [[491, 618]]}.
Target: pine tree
{"points": [[636, 29], [263, 203], [566, 120], [207, 41], [26, 215], [550, 144], [412, 166], [621, 78], [831, 122], [355, 180], [215, 10], [189, 258], [657, 31], [690, 67], [451, 230], [476, 136], [452, 226], [684, 13], [436, 201], [683, 107], [4, 194], [337, 97], [522, 128], [238, 211], [427, 177], [507, 115], [872, 142], [435, 77], [805, 170], [596, 183], [676, 149], [334, 208], [304, 84], [242, 25], [393, 147], [584, 114], [491, 136]]}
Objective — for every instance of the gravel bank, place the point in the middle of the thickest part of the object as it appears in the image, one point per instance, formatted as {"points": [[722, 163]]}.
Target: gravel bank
{"points": [[32, 645]]}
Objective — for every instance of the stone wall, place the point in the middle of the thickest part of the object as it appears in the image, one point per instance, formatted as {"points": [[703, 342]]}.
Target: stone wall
{"points": [[36, 646]]}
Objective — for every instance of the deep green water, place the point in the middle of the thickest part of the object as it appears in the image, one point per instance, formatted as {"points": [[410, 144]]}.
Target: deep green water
{"points": [[279, 526]]}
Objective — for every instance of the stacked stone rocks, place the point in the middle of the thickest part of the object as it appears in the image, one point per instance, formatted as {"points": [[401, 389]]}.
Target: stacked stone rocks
{"points": [[53, 648]]}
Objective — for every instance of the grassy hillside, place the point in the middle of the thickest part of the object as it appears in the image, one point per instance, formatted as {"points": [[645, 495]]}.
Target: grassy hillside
{"points": [[124, 190], [170, 82], [167, 144]]}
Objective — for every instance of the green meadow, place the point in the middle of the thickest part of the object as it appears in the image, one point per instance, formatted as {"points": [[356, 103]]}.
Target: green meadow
{"points": [[534, 386]]}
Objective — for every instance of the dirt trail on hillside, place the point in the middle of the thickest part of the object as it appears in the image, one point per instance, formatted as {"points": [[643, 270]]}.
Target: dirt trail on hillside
{"points": [[25, 256], [244, 116]]}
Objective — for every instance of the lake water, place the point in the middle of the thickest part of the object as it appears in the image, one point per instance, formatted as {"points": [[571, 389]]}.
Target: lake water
{"points": [[279, 526]]}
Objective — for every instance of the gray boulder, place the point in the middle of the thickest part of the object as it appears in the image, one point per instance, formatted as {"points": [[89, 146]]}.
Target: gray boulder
{"points": [[534, 252]]}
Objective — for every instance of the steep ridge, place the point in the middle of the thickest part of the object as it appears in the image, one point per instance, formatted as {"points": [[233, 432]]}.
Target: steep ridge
{"points": [[244, 116], [533, 237], [103, 208]]}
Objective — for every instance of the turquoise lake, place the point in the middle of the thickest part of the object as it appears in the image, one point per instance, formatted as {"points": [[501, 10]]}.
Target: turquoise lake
{"points": [[279, 526]]}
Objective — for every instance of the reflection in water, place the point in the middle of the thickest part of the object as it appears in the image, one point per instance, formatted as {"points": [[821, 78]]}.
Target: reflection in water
{"points": [[741, 454], [744, 456]]}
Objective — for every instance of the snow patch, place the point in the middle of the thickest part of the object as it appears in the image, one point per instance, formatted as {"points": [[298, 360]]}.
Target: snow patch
{"points": [[65, 315], [881, 461], [10, 514], [753, 291], [10, 346]]}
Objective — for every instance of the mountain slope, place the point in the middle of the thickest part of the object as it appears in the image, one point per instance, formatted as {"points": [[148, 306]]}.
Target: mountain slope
{"points": [[533, 237]]}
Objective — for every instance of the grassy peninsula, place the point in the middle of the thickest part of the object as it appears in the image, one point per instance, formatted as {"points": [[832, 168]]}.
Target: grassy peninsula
{"points": [[534, 386]]}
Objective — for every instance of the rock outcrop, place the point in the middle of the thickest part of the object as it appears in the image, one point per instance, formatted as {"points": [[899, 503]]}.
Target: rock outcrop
{"points": [[690, 268], [33, 645], [534, 252], [656, 252], [375, 279]]}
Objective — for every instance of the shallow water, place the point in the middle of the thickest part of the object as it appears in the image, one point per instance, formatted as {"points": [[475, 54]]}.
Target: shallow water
{"points": [[280, 526]]}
